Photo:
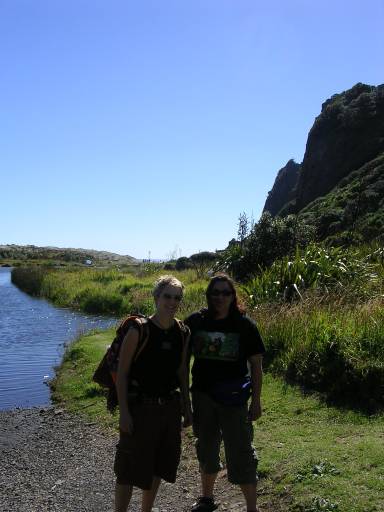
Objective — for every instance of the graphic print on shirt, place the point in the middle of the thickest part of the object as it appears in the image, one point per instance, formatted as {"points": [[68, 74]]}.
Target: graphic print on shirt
{"points": [[223, 346]]}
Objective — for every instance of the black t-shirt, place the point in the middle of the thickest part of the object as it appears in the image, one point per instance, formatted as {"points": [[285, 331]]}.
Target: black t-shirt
{"points": [[155, 370], [221, 348]]}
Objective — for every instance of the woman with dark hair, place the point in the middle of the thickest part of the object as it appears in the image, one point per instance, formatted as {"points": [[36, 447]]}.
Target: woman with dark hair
{"points": [[226, 372]]}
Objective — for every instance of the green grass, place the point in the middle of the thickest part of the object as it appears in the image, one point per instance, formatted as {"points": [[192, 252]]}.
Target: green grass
{"points": [[333, 347], [109, 291], [312, 457], [73, 383], [309, 450]]}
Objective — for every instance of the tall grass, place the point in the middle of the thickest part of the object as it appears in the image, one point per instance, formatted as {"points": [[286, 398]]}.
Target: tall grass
{"points": [[108, 291], [332, 346]]}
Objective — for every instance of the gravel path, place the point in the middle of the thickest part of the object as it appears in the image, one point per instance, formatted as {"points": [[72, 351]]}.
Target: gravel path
{"points": [[51, 460]]}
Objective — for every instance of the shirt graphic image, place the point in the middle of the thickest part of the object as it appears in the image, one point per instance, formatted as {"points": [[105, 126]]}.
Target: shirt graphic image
{"points": [[223, 346]]}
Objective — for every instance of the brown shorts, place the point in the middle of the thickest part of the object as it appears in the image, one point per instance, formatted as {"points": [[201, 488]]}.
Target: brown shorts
{"points": [[153, 449]]}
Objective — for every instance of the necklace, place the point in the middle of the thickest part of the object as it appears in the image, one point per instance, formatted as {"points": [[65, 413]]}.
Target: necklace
{"points": [[157, 322]]}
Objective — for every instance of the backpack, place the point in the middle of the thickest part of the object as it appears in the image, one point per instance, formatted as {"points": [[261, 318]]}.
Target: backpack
{"points": [[106, 372]]}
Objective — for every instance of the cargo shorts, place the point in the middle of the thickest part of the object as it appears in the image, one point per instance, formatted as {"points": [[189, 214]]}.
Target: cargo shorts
{"points": [[154, 447], [213, 423]]}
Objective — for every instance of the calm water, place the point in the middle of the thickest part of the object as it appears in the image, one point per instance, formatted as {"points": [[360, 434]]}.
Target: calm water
{"points": [[32, 338]]}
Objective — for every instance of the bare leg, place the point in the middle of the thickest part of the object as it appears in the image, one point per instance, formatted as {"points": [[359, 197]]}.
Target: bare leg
{"points": [[123, 495], [208, 483], [149, 497], [249, 491]]}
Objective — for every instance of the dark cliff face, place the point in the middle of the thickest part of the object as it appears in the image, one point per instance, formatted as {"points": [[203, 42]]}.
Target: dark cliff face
{"points": [[284, 188], [345, 137], [347, 134]]}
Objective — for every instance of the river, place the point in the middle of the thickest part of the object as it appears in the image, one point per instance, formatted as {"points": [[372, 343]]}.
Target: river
{"points": [[33, 335]]}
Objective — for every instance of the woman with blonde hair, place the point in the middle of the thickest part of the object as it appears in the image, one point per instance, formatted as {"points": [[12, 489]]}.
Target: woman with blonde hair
{"points": [[150, 404]]}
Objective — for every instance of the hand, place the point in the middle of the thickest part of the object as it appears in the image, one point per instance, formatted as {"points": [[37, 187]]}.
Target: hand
{"points": [[254, 412], [187, 415], [126, 422]]}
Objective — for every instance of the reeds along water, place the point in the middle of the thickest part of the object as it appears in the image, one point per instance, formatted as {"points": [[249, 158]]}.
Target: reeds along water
{"points": [[107, 291]]}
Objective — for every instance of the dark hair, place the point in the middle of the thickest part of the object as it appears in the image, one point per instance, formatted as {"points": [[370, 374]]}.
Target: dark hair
{"points": [[235, 307]]}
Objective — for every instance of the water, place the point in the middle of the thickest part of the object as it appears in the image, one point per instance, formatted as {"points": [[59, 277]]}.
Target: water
{"points": [[33, 334]]}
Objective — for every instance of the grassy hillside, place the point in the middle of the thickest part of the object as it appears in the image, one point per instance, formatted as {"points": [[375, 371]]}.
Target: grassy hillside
{"points": [[54, 255], [354, 209]]}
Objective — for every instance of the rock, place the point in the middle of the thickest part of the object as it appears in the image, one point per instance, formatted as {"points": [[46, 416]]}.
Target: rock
{"points": [[341, 179]]}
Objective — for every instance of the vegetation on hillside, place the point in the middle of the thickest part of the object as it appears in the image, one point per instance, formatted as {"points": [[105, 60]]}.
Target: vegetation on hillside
{"points": [[60, 256], [353, 211]]}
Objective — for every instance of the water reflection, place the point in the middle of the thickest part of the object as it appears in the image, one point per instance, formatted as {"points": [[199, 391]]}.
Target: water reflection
{"points": [[33, 334]]}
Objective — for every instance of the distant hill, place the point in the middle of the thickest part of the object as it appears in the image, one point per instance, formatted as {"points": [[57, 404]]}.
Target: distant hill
{"points": [[81, 256], [339, 186]]}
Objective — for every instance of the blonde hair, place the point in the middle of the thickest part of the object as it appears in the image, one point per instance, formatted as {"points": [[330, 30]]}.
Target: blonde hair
{"points": [[164, 281]]}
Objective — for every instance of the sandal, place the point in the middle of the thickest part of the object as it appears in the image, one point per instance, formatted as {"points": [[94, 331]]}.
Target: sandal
{"points": [[204, 504]]}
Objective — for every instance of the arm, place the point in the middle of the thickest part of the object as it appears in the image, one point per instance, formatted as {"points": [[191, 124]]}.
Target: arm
{"points": [[183, 375], [256, 381], [127, 351]]}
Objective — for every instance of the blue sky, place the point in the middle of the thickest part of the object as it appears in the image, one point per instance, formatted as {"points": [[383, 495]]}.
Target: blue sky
{"points": [[137, 126]]}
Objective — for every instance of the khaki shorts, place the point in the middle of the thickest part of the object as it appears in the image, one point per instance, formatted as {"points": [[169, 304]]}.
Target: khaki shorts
{"points": [[213, 423], [153, 449]]}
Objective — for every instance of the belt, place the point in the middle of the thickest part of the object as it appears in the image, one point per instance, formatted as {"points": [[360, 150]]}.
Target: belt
{"points": [[156, 400]]}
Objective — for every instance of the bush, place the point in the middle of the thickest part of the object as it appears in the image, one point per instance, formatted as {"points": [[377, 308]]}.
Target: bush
{"points": [[97, 301], [316, 267], [271, 238], [202, 262], [183, 263]]}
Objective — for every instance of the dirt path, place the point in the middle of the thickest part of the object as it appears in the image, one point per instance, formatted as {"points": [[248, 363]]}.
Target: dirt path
{"points": [[51, 460]]}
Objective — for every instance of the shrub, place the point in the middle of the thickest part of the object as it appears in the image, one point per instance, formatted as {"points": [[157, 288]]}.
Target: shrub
{"points": [[316, 267], [183, 263], [270, 238]]}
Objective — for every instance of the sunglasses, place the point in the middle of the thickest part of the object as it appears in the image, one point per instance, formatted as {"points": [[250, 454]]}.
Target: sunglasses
{"points": [[224, 293], [168, 296]]}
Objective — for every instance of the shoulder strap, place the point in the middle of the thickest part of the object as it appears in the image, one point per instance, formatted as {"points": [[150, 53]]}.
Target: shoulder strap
{"points": [[124, 324], [142, 322], [184, 330]]}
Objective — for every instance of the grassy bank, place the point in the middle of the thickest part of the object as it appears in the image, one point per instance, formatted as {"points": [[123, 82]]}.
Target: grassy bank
{"points": [[110, 291], [312, 457], [329, 346]]}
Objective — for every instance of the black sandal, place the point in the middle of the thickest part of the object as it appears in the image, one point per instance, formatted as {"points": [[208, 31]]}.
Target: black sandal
{"points": [[204, 504]]}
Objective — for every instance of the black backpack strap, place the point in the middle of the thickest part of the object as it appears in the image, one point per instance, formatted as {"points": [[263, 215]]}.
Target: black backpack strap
{"points": [[143, 324], [184, 331]]}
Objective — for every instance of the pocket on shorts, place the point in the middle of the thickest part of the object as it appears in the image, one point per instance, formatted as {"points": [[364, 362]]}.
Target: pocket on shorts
{"points": [[123, 465]]}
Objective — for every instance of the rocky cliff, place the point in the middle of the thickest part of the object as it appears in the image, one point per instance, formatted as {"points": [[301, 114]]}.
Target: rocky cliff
{"points": [[284, 189], [343, 166]]}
